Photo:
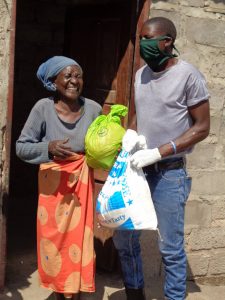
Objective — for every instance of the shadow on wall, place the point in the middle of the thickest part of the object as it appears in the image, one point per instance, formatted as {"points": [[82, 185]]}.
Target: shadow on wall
{"points": [[154, 270]]}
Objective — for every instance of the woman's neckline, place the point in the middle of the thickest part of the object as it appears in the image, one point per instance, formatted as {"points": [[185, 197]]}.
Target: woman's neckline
{"points": [[69, 123]]}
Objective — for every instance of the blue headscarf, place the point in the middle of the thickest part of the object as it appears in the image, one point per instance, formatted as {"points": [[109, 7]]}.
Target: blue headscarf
{"points": [[51, 68]]}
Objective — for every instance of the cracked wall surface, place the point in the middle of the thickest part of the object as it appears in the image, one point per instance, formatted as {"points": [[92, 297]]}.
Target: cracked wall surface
{"points": [[201, 41]]}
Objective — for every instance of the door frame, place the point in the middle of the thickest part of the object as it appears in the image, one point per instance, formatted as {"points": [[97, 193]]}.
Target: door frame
{"points": [[142, 14], [6, 143]]}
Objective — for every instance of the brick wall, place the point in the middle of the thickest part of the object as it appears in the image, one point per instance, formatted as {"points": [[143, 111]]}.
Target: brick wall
{"points": [[201, 41]]}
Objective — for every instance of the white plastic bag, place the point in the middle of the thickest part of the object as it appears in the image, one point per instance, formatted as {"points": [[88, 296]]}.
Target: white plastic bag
{"points": [[125, 200]]}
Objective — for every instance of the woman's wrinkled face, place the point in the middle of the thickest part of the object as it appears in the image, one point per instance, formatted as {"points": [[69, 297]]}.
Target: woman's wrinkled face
{"points": [[69, 82]]}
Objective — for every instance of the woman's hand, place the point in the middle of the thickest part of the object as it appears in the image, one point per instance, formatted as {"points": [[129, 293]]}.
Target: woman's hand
{"points": [[59, 149]]}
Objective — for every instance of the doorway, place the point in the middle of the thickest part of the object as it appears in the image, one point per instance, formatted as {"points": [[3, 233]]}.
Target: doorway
{"points": [[98, 38], [101, 36], [101, 39]]}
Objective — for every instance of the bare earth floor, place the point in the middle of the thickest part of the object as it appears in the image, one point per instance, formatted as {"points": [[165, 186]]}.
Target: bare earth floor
{"points": [[22, 283]]}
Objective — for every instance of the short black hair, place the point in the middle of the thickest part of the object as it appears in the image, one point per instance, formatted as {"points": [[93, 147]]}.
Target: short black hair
{"points": [[164, 24]]}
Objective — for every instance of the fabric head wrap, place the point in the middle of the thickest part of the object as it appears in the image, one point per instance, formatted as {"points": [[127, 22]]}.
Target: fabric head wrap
{"points": [[51, 68]]}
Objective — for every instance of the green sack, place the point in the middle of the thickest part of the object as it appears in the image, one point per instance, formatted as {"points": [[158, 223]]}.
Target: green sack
{"points": [[104, 138]]}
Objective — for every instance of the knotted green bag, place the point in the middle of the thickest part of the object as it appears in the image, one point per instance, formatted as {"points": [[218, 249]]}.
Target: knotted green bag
{"points": [[104, 138]]}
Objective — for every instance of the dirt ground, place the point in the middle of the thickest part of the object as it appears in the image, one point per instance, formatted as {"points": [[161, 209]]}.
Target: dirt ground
{"points": [[22, 278], [22, 283]]}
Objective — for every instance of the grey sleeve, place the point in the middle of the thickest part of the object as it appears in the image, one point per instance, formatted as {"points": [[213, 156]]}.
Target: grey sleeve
{"points": [[196, 90], [29, 146]]}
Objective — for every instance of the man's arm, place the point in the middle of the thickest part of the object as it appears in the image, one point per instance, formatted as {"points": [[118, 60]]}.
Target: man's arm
{"points": [[198, 131]]}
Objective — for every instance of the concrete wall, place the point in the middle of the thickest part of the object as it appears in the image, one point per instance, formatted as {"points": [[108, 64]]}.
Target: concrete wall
{"points": [[201, 41]]}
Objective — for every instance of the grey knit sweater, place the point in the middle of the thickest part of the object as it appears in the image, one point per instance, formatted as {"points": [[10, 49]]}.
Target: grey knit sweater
{"points": [[43, 125]]}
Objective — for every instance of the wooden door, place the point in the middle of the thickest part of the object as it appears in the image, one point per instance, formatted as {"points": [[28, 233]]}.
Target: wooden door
{"points": [[98, 37], [102, 39]]}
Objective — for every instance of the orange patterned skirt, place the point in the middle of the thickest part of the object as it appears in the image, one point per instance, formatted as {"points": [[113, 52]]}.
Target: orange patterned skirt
{"points": [[66, 258]]}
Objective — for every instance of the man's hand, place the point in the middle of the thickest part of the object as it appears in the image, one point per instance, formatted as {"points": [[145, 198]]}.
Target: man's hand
{"points": [[143, 158], [141, 143], [58, 149], [130, 139]]}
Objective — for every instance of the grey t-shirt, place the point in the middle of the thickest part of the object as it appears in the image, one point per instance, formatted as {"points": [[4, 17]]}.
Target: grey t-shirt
{"points": [[43, 125], [162, 100]]}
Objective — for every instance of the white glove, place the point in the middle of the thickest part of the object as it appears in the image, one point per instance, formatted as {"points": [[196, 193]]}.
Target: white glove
{"points": [[130, 139], [145, 157], [141, 143]]}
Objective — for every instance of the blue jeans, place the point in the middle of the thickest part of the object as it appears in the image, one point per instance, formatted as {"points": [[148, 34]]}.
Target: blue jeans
{"points": [[170, 190]]}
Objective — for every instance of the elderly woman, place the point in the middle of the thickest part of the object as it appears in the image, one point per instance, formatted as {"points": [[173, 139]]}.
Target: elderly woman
{"points": [[53, 136]]}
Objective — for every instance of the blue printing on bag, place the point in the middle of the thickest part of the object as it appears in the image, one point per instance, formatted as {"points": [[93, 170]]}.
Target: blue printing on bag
{"points": [[128, 224], [98, 206], [120, 165], [116, 172], [116, 201]]}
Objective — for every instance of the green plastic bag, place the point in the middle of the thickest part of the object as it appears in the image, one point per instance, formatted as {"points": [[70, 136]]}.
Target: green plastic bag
{"points": [[104, 138]]}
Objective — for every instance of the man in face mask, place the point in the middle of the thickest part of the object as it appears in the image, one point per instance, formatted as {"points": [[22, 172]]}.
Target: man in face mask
{"points": [[156, 46], [172, 113]]}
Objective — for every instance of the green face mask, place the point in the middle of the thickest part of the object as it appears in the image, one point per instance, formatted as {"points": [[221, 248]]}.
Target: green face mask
{"points": [[152, 55]]}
